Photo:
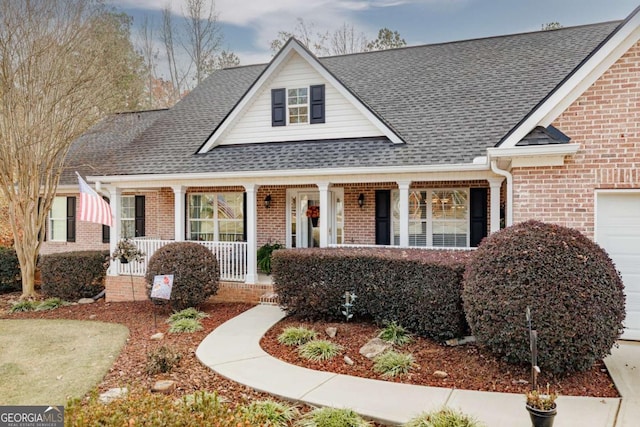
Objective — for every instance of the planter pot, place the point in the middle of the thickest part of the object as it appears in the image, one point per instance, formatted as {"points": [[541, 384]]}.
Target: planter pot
{"points": [[124, 260], [314, 222], [541, 417]]}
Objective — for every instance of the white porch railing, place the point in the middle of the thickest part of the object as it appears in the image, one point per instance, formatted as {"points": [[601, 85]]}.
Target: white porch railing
{"points": [[232, 258]]}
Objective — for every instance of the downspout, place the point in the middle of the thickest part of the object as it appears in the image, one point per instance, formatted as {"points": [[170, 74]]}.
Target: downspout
{"points": [[495, 169]]}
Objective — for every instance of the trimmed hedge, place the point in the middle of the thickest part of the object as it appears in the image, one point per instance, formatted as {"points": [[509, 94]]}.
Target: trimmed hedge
{"points": [[418, 289], [73, 275], [195, 273], [574, 291], [9, 270]]}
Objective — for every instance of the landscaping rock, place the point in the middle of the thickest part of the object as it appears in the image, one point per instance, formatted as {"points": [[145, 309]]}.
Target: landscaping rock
{"points": [[440, 374], [157, 337], [374, 347], [331, 332], [163, 386], [460, 341], [93, 316], [86, 301], [112, 394], [348, 361]]}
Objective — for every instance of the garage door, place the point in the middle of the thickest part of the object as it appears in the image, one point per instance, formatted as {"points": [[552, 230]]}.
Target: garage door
{"points": [[618, 231]]}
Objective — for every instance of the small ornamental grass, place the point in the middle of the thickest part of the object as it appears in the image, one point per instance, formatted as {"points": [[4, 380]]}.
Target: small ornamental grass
{"points": [[319, 350], [187, 313], [185, 326], [332, 417], [26, 305], [51, 304], [269, 413], [393, 364], [162, 360], [395, 334], [445, 417], [293, 336]]}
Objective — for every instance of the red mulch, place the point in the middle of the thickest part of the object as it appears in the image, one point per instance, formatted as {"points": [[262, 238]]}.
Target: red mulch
{"points": [[468, 366]]}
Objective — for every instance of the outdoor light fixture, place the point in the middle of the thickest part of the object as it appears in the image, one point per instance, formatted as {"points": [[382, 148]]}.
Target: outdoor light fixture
{"points": [[267, 201], [361, 200]]}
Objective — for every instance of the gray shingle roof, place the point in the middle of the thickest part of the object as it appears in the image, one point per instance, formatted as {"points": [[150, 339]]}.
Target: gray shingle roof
{"points": [[448, 102]]}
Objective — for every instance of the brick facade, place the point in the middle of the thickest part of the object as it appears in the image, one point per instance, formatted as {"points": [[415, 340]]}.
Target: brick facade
{"points": [[605, 122]]}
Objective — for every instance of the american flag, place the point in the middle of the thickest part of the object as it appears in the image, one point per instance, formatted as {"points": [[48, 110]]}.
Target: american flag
{"points": [[93, 208]]}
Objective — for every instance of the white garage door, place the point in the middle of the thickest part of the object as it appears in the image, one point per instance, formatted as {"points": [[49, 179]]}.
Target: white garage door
{"points": [[618, 231]]}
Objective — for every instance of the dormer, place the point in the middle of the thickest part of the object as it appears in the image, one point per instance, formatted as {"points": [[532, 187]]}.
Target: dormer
{"points": [[297, 99]]}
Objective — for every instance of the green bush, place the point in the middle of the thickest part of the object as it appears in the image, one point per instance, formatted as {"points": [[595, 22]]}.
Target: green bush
{"points": [[51, 304], [142, 408], [73, 275], [9, 270], [419, 289], [319, 350], [445, 417], [393, 364], [264, 256], [574, 291], [332, 417], [162, 360], [26, 305], [395, 334], [294, 336], [187, 313], [269, 413], [186, 325], [195, 273]]}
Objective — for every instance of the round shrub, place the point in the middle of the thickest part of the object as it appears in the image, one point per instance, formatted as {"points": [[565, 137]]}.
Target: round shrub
{"points": [[574, 291], [195, 273], [73, 275]]}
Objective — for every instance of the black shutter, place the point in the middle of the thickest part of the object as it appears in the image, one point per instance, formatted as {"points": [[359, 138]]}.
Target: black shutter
{"points": [[383, 217], [317, 104], [106, 230], [71, 219], [244, 217], [278, 107], [478, 215], [139, 221]]}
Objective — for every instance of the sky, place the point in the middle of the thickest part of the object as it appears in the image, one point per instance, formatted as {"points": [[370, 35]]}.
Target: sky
{"points": [[249, 26]]}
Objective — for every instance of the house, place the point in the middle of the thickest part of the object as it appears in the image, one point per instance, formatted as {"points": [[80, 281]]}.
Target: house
{"points": [[429, 146]]}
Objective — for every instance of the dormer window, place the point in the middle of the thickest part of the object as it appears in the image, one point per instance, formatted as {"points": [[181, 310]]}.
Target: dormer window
{"points": [[303, 105], [298, 105]]}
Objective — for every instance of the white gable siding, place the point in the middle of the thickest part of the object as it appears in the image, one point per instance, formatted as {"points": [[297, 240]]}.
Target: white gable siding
{"points": [[342, 119]]}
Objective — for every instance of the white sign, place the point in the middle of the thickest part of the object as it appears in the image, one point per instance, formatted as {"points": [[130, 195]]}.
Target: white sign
{"points": [[162, 286]]}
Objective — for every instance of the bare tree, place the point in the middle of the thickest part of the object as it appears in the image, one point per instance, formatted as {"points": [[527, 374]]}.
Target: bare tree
{"points": [[204, 37], [306, 34], [347, 39], [57, 79], [167, 34], [150, 56]]}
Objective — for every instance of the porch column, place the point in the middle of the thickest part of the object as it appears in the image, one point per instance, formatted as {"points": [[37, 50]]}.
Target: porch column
{"points": [[179, 212], [115, 195], [252, 234], [495, 184], [324, 213], [403, 187]]}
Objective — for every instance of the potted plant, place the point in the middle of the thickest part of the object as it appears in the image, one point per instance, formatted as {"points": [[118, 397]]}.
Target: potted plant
{"points": [[542, 407], [313, 212], [127, 251]]}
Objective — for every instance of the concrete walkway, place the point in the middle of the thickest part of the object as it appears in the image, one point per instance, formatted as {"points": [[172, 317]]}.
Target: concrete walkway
{"points": [[233, 350]]}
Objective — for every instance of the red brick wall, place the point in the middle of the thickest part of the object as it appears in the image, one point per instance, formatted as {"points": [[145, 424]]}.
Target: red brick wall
{"points": [[604, 121]]}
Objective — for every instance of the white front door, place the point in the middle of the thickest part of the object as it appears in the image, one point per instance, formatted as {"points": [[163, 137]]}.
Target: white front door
{"points": [[618, 232], [305, 215]]}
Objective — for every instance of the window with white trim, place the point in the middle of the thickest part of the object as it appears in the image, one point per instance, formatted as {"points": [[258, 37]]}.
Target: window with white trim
{"points": [[438, 217], [298, 105], [58, 220], [216, 217], [127, 217]]}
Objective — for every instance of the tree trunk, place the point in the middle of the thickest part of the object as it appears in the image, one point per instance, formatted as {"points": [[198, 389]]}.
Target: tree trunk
{"points": [[28, 275]]}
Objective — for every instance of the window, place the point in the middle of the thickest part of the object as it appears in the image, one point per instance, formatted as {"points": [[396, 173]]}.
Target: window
{"points": [[127, 217], [62, 219], [298, 105], [437, 218], [305, 105], [216, 217]]}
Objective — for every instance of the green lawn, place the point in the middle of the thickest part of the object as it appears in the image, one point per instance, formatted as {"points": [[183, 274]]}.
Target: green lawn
{"points": [[44, 362]]}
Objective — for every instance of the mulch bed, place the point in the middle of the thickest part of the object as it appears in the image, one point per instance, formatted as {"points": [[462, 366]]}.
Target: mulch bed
{"points": [[468, 366]]}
